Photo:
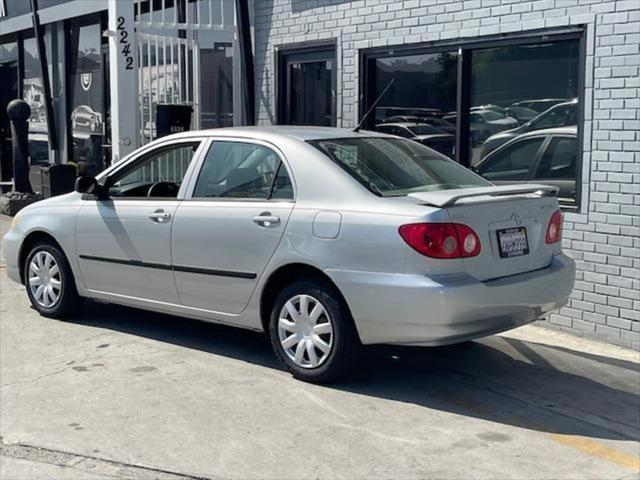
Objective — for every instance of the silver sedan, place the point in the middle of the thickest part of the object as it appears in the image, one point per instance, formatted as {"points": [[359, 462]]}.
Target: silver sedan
{"points": [[326, 239]]}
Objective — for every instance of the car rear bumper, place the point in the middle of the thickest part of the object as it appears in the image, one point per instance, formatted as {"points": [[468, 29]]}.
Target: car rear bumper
{"points": [[11, 251], [421, 310]]}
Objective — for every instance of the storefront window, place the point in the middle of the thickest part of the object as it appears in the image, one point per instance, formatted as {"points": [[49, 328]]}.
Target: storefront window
{"points": [[422, 98], [509, 91], [86, 95], [484, 98], [33, 94], [8, 92]]}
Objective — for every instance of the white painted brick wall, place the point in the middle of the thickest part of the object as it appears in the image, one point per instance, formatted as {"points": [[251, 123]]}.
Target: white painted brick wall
{"points": [[604, 238]]}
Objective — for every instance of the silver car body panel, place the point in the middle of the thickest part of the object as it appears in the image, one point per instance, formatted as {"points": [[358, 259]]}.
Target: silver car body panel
{"points": [[211, 261]]}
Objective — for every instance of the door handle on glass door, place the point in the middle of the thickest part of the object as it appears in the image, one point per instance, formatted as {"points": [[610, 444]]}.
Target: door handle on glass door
{"points": [[160, 216], [265, 219]]}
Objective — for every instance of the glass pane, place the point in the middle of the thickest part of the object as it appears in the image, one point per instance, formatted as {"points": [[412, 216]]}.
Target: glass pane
{"points": [[512, 162], [237, 170], [216, 84], [33, 93], [8, 92], [423, 97], [282, 187], [518, 89], [559, 160], [159, 175], [86, 96], [311, 95], [395, 167]]}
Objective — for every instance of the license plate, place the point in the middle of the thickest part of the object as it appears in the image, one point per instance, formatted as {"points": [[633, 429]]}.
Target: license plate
{"points": [[513, 242]]}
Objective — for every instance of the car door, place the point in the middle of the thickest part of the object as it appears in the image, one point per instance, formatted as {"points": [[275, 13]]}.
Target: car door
{"points": [[226, 232], [124, 241], [557, 166], [512, 163]]}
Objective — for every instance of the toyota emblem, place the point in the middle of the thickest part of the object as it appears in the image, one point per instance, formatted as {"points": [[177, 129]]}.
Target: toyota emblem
{"points": [[517, 219]]}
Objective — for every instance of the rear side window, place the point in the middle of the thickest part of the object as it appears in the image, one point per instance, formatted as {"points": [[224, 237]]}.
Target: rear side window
{"points": [[242, 170], [395, 166]]}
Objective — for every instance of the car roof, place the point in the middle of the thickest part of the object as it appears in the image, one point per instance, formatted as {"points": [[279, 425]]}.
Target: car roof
{"points": [[569, 130], [302, 133], [401, 124]]}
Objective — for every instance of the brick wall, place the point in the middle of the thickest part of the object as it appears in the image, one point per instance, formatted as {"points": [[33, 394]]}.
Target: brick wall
{"points": [[604, 237]]}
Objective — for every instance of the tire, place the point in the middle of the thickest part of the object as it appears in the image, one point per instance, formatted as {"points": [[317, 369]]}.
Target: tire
{"points": [[67, 301], [310, 335]]}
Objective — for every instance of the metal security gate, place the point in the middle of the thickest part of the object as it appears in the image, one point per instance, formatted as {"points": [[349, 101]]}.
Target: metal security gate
{"points": [[167, 73], [169, 40]]}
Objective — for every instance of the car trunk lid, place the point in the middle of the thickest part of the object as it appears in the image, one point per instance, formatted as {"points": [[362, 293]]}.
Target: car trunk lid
{"points": [[501, 217]]}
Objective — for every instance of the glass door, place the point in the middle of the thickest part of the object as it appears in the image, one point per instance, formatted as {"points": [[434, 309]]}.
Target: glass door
{"points": [[307, 90]]}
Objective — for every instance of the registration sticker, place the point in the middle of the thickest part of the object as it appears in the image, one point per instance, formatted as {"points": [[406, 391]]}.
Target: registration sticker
{"points": [[513, 242]]}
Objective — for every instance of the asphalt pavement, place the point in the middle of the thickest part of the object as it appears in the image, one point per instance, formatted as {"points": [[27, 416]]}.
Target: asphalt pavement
{"points": [[123, 393]]}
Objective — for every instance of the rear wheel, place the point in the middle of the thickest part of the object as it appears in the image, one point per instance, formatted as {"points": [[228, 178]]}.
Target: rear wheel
{"points": [[49, 280], [312, 332]]}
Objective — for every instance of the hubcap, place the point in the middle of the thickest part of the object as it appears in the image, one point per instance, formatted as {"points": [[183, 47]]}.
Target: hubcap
{"points": [[45, 281], [305, 331]]}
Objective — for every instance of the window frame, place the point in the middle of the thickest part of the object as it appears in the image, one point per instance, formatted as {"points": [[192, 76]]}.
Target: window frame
{"points": [[109, 176], [198, 166], [304, 52], [465, 47]]}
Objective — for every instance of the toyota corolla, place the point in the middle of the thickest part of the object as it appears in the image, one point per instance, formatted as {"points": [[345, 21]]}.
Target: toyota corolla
{"points": [[326, 239]]}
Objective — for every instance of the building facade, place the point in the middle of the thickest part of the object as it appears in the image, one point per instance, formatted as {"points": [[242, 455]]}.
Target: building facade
{"points": [[543, 90], [467, 62]]}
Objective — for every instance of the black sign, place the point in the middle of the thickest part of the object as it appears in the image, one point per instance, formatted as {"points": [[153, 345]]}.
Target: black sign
{"points": [[172, 119]]}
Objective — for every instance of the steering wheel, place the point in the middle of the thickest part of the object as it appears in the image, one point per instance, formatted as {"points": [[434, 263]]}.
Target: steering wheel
{"points": [[163, 189]]}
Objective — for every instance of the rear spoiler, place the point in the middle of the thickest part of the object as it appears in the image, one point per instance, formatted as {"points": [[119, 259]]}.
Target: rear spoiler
{"points": [[446, 198]]}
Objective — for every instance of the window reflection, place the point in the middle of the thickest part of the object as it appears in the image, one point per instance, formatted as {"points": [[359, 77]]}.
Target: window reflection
{"points": [[86, 96], [8, 92], [33, 94], [519, 89], [421, 102]]}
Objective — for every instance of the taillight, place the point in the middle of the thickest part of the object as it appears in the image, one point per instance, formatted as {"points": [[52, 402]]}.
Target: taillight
{"points": [[441, 240], [554, 229]]}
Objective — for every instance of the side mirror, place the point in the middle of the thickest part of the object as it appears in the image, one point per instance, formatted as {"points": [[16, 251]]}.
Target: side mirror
{"points": [[86, 185], [90, 186]]}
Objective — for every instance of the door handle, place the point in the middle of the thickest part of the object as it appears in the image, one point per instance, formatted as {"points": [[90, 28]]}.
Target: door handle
{"points": [[160, 216], [265, 219]]}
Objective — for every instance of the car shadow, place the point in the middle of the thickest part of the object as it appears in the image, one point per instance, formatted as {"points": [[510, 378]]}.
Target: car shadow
{"points": [[500, 379]]}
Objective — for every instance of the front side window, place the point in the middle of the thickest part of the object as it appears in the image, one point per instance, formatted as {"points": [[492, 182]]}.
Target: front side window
{"points": [[512, 162], [559, 160], [158, 174], [395, 167], [242, 170]]}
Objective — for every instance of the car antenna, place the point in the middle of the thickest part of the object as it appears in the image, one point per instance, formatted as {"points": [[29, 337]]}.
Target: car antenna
{"points": [[375, 104]]}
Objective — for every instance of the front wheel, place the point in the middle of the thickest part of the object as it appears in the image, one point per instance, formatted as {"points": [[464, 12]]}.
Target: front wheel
{"points": [[49, 280], [312, 332]]}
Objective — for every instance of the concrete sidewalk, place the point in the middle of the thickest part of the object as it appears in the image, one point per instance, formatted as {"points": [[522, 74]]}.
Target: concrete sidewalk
{"points": [[121, 393]]}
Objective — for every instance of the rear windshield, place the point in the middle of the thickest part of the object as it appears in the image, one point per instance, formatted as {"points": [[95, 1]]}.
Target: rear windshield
{"points": [[394, 167]]}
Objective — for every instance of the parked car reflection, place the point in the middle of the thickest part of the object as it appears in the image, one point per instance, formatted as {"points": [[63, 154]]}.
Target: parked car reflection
{"points": [[561, 115], [85, 119], [546, 156], [436, 122], [423, 133]]}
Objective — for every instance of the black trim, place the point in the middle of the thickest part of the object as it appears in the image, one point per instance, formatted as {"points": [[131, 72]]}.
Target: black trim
{"points": [[175, 268]]}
